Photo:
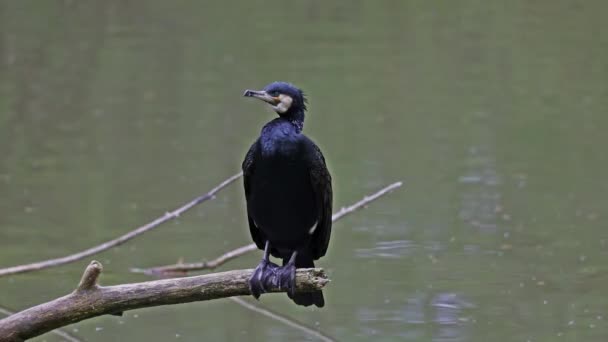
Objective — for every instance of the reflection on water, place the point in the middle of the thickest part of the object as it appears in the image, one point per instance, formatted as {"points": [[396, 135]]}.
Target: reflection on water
{"points": [[447, 313], [493, 114], [387, 249], [481, 197]]}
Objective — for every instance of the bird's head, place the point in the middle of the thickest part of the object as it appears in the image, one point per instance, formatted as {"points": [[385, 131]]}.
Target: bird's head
{"points": [[284, 98]]}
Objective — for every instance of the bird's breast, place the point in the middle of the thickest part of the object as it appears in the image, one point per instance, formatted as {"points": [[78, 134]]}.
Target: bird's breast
{"points": [[280, 145], [282, 199]]}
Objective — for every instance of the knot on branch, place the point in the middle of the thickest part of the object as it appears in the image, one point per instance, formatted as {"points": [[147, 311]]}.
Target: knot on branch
{"points": [[310, 279], [90, 276]]}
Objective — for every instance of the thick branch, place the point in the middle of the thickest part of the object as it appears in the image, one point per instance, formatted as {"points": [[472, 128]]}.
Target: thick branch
{"points": [[103, 300], [64, 335], [121, 239], [183, 268]]}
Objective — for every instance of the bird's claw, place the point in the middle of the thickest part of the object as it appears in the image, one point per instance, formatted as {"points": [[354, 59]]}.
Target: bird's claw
{"points": [[286, 278], [263, 274]]}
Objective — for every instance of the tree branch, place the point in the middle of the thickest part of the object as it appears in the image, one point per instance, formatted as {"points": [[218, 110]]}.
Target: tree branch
{"points": [[64, 335], [121, 239], [181, 269], [102, 300]]}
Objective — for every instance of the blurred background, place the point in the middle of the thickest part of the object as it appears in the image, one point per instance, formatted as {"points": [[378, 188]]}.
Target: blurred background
{"points": [[492, 113]]}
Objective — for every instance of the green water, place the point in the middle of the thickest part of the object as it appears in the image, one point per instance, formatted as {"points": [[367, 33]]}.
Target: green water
{"points": [[492, 113]]}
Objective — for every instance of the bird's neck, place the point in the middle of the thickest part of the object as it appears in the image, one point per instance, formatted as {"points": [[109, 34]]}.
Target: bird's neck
{"points": [[297, 119]]}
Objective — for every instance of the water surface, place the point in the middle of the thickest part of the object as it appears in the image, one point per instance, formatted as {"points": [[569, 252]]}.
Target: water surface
{"points": [[493, 114]]}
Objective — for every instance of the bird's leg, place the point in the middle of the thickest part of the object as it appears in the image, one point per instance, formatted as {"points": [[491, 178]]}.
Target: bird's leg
{"points": [[287, 275], [262, 273]]}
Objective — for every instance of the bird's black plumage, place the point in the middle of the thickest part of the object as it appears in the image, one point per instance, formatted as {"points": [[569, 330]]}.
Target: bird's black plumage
{"points": [[288, 190]]}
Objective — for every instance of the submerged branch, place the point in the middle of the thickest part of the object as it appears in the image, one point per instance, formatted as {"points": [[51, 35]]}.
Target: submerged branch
{"points": [[91, 300], [281, 318], [183, 268], [121, 239]]}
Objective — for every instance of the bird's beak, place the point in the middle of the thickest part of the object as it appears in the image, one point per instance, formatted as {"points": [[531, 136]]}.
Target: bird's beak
{"points": [[262, 95]]}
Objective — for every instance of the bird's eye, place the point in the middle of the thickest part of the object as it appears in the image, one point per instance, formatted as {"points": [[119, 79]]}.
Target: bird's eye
{"points": [[274, 93]]}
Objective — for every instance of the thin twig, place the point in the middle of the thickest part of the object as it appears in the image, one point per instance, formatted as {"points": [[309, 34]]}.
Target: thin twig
{"points": [[66, 336], [278, 317], [120, 240], [365, 201], [183, 268], [103, 300]]}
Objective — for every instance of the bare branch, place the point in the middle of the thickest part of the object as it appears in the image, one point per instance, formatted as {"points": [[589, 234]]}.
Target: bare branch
{"points": [[365, 201], [183, 268], [103, 300], [64, 335], [280, 318], [121, 239]]}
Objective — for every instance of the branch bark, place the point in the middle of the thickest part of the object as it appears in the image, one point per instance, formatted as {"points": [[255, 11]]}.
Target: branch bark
{"points": [[181, 269], [91, 300], [121, 239], [58, 332]]}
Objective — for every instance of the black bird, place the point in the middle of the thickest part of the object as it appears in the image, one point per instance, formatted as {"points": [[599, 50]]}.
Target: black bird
{"points": [[289, 194]]}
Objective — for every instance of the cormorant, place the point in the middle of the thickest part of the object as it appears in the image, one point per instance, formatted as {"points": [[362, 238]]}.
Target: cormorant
{"points": [[289, 195]]}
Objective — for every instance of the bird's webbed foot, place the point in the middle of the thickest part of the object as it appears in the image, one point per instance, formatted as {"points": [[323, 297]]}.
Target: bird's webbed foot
{"points": [[286, 275], [263, 276]]}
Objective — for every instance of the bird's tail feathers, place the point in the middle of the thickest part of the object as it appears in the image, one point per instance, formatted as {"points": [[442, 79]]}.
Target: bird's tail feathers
{"points": [[306, 298]]}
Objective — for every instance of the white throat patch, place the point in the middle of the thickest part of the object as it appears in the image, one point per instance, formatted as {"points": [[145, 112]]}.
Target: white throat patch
{"points": [[284, 104]]}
